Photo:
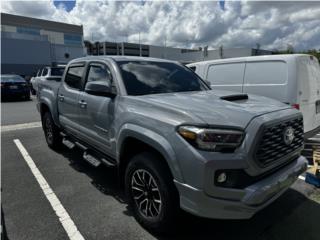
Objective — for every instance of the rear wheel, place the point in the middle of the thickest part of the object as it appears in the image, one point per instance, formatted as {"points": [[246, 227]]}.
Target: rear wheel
{"points": [[151, 193], [27, 96], [51, 131]]}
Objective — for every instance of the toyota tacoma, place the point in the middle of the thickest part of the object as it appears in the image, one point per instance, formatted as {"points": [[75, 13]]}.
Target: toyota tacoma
{"points": [[175, 142]]}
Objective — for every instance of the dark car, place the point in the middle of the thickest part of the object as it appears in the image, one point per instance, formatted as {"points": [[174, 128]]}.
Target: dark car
{"points": [[14, 86]]}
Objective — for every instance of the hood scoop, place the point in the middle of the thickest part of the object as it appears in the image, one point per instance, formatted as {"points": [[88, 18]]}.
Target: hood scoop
{"points": [[235, 97]]}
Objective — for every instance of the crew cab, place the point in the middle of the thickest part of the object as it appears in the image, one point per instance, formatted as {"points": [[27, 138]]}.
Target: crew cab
{"points": [[174, 142]]}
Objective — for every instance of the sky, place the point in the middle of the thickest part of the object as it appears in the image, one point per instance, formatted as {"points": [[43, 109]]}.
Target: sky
{"points": [[272, 25]]}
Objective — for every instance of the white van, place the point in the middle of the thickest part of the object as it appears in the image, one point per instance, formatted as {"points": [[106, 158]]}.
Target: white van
{"points": [[293, 79]]}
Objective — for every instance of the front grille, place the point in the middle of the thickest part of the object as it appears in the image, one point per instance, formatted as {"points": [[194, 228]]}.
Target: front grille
{"points": [[272, 146]]}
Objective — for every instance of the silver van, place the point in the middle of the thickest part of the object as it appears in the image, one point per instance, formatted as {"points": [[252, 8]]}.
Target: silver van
{"points": [[293, 79]]}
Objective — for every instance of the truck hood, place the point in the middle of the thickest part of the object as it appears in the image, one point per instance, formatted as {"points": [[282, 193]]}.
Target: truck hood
{"points": [[207, 107]]}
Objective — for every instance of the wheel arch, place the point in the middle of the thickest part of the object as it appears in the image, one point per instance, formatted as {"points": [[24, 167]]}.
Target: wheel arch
{"points": [[134, 139], [46, 106]]}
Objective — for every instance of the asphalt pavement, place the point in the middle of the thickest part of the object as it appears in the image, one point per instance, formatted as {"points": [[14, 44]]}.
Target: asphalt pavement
{"points": [[95, 203], [19, 111]]}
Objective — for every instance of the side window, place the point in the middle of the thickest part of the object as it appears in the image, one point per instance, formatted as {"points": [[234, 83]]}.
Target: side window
{"points": [[99, 72], [272, 72], [226, 74], [74, 77], [45, 72], [39, 72]]}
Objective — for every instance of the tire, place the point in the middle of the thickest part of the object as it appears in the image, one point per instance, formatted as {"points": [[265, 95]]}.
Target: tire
{"points": [[51, 131], [27, 97], [162, 204]]}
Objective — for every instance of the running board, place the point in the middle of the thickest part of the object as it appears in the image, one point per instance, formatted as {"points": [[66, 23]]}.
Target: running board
{"points": [[107, 162], [91, 159], [90, 155], [68, 143]]}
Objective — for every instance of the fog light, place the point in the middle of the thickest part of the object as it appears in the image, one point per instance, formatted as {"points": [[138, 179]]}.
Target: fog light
{"points": [[222, 177]]}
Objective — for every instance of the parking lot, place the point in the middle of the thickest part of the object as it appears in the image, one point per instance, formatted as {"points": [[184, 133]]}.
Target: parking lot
{"points": [[97, 206]]}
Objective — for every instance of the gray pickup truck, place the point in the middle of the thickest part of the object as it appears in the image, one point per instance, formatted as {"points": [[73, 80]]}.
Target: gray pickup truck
{"points": [[174, 142]]}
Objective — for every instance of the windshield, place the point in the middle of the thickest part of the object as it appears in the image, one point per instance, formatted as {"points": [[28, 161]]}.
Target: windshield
{"points": [[57, 71], [149, 77], [11, 78]]}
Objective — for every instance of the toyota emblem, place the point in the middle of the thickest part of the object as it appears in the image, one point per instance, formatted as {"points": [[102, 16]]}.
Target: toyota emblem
{"points": [[288, 135]]}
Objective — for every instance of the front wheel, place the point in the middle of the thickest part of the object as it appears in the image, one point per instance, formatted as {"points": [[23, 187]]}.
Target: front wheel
{"points": [[51, 131], [151, 193]]}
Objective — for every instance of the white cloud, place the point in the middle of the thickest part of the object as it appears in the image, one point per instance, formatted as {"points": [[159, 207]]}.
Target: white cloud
{"points": [[191, 24]]}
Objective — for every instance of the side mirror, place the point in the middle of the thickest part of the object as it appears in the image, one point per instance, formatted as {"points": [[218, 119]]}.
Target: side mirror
{"points": [[99, 88]]}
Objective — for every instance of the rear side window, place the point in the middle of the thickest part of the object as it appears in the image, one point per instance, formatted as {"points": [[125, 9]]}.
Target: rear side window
{"points": [[272, 72], [226, 74], [74, 77], [45, 72]]}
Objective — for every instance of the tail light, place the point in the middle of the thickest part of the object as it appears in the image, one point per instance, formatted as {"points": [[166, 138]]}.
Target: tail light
{"points": [[296, 106]]}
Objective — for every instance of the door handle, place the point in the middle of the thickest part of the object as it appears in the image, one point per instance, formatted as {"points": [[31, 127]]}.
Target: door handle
{"points": [[61, 98], [82, 104]]}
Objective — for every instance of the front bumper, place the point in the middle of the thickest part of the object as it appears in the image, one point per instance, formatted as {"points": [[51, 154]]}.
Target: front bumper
{"points": [[253, 198]]}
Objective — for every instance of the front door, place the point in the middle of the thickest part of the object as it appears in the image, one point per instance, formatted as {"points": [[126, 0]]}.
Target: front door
{"points": [[96, 112]]}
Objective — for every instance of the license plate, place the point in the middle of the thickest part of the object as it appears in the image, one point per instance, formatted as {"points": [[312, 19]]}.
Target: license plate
{"points": [[13, 87], [318, 107]]}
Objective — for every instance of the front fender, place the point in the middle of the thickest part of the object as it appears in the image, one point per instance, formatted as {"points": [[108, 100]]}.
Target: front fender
{"points": [[153, 139]]}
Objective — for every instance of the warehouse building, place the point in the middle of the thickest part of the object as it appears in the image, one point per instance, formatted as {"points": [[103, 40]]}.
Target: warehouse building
{"points": [[133, 49], [28, 44], [178, 54]]}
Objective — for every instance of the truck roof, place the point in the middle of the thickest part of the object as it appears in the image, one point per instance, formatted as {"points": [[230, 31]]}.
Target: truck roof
{"points": [[284, 57], [118, 58]]}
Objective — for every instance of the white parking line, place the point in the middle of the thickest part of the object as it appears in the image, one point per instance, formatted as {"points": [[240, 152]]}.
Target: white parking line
{"points": [[21, 126], [60, 211]]}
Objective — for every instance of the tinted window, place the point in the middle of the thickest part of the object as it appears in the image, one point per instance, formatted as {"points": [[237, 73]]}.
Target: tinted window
{"points": [[226, 74], [57, 71], [74, 77], [39, 72], [148, 77], [45, 72], [99, 72]]}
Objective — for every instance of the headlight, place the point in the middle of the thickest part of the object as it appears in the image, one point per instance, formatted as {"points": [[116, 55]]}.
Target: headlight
{"points": [[217, 140]]}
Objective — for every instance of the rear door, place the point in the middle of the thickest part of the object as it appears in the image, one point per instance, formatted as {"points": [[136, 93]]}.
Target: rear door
{"points": [[308, 72], [96, 113], [267, 78], [226, 76], [68, 97]]}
